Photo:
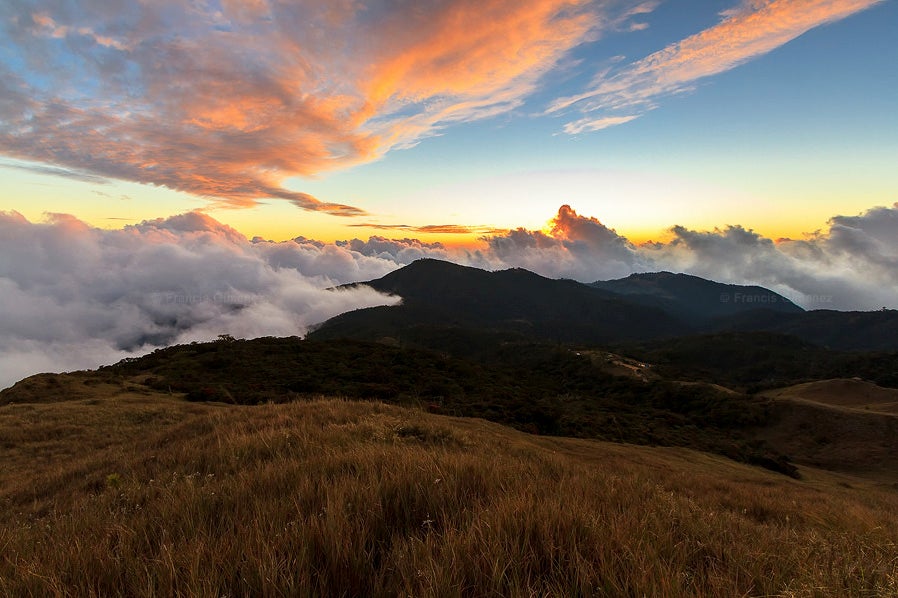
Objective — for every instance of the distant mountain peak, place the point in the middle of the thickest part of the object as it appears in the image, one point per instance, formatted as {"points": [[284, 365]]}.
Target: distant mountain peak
{"points": [[440, 296], [694, 298], [516, 300]]}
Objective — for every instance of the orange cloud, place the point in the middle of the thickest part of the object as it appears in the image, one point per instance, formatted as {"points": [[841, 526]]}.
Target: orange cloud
{"points": [[228, 101], [751, 30], [193, 102], [469, 59]]}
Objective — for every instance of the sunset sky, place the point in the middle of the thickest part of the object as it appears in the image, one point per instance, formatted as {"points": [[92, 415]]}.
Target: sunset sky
{"points": [[334, 120], [172, 170]]}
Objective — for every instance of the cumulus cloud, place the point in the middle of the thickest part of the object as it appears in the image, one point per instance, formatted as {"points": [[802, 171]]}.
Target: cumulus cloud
{"points": [[752, 29], [228, 99], [400, 251], [575, 247], [851, 265], [74, 296]]}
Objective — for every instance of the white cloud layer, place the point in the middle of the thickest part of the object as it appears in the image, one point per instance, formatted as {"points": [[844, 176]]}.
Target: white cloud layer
{"points": [[76, 297]]}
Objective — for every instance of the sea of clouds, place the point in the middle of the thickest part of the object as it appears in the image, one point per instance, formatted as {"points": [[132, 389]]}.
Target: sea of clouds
{"points": [[75, 296]]}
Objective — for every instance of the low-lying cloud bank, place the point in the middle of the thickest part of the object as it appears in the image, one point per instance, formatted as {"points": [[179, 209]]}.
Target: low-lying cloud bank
{"points": [[75, 296]]}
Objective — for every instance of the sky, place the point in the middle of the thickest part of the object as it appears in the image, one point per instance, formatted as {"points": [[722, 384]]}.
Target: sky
{"points": [[172, 170]]}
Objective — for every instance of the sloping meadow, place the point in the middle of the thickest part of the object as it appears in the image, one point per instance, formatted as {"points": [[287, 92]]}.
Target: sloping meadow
{"points": [[137, 493]]}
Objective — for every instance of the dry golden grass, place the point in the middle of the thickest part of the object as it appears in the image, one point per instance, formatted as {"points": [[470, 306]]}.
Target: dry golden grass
{"points": [[835, 438], [842, 392], [139, 494]]}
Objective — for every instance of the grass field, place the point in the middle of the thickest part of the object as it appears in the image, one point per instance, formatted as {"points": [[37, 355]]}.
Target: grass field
{"points": [[123, 491], [842, 392]]}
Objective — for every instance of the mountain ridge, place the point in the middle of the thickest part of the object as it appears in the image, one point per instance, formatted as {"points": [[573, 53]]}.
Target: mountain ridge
{"points": [[696, 299], [440, 293], [440, 296]]}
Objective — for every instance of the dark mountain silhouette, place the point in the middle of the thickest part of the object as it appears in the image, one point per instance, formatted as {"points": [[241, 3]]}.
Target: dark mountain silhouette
{"points": [[695, 299], [446, 305], [442, 299], [843, 330], [717, 307], [438, 294]]}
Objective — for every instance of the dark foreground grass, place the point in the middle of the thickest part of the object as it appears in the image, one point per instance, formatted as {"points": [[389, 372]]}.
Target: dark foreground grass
{"points": [[141, 494]]}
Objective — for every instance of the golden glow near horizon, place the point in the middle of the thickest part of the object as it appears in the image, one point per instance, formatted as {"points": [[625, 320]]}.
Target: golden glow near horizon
{"points": [[280, 223], [638, 207]]}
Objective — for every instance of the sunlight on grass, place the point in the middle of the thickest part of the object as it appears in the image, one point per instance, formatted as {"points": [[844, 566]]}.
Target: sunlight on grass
{"points": [[147, 495]]}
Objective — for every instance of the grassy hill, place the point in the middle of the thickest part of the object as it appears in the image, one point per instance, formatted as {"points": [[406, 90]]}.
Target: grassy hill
{"points": [[690, 397], [537, 388], [835, 438], [851, 393], [112, 488]]}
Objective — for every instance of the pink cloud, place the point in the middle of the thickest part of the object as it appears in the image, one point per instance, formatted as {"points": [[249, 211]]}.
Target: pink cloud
{"points": [[468, 59]]}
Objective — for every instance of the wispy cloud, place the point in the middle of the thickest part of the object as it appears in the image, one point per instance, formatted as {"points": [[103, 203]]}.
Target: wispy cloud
{"points": [[84, 177], [468, 59], [121, 196], [445, 229], [585, 125], [748, 31]]}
